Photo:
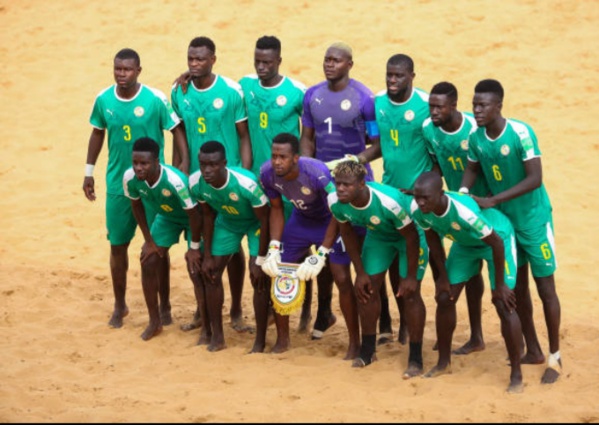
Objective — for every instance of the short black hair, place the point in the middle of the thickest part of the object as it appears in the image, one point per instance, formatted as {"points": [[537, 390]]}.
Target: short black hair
{"points": [[128, 54], [287, 139], [147, 144], [268, 42], [203, 42], [213, 146], [401, 59], [447, 89], [490, 86]]}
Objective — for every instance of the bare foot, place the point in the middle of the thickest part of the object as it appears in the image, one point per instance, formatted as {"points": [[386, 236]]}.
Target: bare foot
{"points": [[318, 334], [196, 322], [116, 321], [553, 372], [529, 358], [412, 371], [217, 346], [166, 318], [385, 338], [360, 362], [515, 387], [469, 347], [438, 371], [403, 336], [257, 348], [204, 338], [151, 331], [280, 347], [303, 324], [353, 351], [240, 326]]}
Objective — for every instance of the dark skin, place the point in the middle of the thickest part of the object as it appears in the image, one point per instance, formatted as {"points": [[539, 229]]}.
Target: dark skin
{"points": [[430, 197], [214, 171], [351, 189], [285, 164], [154, 258], [126, 73], [487, 112]]}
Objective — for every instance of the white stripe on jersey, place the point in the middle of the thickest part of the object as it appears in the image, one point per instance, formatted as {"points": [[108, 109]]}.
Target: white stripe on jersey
{"points": [[248, 184], [332, 199], [176, 181], [390, 204], [233, 84], [127, 177], [469, 216]]}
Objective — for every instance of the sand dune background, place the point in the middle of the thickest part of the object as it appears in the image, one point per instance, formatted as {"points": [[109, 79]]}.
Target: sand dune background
{"points": [[60, 360]]}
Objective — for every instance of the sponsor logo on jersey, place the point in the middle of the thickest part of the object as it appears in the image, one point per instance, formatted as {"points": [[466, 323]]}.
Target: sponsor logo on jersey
{"points": [[375, 220], [464, 145], [233, 196], [139, 111], [279, 186], [281, 100], [306, 190], [319, 101], [478, 225], [143, 192], [218, 103], [505, 150], [166, 208], [110, 112], [409, 115], [345, 104], [166, 192], [527, 143], [456, 226]]}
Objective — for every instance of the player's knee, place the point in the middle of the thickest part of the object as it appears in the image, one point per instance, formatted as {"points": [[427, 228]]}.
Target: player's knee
{"points": [[444, 299]]}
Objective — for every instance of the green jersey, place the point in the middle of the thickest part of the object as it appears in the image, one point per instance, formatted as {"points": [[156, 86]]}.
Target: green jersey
{"points": [[404, 150], [271, 111], [147, 114], [211, 114], [169, 196], [385, 214], [235, 201], [502, 163], [464, 222], [450, 151]]}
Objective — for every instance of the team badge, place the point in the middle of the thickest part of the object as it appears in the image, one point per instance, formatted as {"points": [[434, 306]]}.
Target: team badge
{"points": [[345, 104], [456, 226], [218, 103], [166, 192], [306, 190], [139, 111], [505, 150], [409, 115], [233, 196], [375, 220], [281, 100], [464, 145], [287, 291]]}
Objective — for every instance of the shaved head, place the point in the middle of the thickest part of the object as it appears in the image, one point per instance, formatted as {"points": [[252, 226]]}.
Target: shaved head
{"points": [[430, 179]]}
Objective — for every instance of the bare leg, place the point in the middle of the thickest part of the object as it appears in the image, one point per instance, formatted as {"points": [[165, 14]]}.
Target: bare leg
{"points": [[150, 280], [236, 272], [283, 342], [512, 335], [552, 311], [261, 308], [165, 290], [534, 354], [306, 315], [349, 307], [415, 318], [403, 334], [475, 288], [119, 264], [215, 298], [369, 313]]}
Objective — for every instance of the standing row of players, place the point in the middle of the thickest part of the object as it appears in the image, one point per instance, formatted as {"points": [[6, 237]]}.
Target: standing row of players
{"points": [[339, 117]]}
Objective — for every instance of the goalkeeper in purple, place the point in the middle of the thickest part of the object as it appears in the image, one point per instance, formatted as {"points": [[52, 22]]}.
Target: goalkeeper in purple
{"points": [[306, 182]]}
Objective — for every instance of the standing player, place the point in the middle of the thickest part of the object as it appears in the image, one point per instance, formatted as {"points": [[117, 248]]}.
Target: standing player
{"points": [[165, 190], [446, 133], [383, 210], [306, 182], [212, 109], [243, 210], [476, 236], [507, 153], [127, 110]]}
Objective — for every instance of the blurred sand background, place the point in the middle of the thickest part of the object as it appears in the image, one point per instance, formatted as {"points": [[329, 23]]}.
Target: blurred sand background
{"points": [[60, 360]]}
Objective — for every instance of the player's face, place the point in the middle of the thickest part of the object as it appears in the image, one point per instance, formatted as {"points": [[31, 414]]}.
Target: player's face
{"points": [[145, 166], [266, 63], [200, 61], [336, 64], [213, 167], [398, 78], [348, 187], [486, 108], [283, 159], [126, 72], [440, 107], [427, 197]]}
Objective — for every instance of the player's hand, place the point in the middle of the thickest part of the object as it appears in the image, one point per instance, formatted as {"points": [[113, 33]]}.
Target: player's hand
{"points": [[407, 286], [484, 202], [147, 250], [407, 191], [193, 257], [313, 265], [273, 258], [88, 188], [209, 268], [505, 294], [183, 80], [332, 164], [441, 286], [363, 288]]}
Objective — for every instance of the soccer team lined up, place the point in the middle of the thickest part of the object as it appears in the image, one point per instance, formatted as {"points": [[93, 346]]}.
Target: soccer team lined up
{"points": [[288, 168]]}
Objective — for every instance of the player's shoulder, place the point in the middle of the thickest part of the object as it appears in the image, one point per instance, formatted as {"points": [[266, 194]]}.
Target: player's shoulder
{"points": [[381, 94], [242, 175], [427, 124], [420, 94], [316, 87], [106, 92], [194, 178], [360, 86], [296, 84], [521, 128], [153, 91], [469, 121], [129, 174], [175, 176], [248, 80], [229, 82]]}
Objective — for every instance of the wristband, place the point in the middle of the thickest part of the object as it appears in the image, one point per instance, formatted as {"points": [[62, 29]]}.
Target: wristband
{"points": [[260, 260], [464, 189], [194, 245], [274, 245], [89, 170], [322, 251]]}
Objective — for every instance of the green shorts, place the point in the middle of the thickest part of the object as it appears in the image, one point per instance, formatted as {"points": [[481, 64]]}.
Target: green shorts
{"points": [[378, 254], [537, 247], [120, 221], [226, 241], [166, 231], [463, 262]]}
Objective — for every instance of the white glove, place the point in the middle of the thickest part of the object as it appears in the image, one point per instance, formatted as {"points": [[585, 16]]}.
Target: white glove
{"points": [[313, 265], [270, 265], [348, 157]]}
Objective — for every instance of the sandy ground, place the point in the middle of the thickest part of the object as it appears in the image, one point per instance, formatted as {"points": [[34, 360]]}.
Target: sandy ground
{"points": [[60, 360]]}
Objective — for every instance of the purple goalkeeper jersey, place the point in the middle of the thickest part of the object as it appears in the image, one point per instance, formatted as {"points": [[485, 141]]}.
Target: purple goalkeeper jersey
{"points": [[339, 119], [308, 192]]}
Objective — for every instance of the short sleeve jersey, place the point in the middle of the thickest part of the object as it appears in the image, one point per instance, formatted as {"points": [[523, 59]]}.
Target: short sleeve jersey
{"points": [[271, 111], [502, 163], [450, 151], [169, 196], [386, 213], [211, 114], [235, 200], [308, 192], [339, 119], [147, 114], [463, 222], [404, 151]]}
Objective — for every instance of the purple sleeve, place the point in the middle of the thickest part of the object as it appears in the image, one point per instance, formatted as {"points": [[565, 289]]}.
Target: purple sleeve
{"points": [[368, 111], [307, 115], [266, 177]]}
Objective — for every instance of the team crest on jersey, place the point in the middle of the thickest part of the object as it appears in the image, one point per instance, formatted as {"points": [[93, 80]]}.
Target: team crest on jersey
{"points": [[375, 220], [409, 115], [306, 190], [456, 226], [345, 104], [139, 111], [166, 192], [233, 196], [218, 103], [281, 100], [505, 150], [464, 145]]}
